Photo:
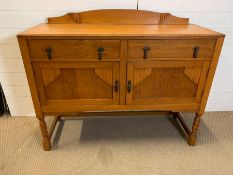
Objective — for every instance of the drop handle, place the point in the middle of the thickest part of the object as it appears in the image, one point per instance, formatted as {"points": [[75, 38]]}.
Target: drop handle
{"points": [[129, 86], [116, 86], [48, 50], [100, 53], [195, 51], [145, 51]]}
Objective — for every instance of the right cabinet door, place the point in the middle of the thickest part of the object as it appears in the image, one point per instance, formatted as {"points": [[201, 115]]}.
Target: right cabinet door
{"points": [[165, 82]]}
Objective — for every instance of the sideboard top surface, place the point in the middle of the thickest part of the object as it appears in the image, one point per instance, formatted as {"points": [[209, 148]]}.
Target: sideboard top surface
{"points": [[118, 30], [119, 23]]}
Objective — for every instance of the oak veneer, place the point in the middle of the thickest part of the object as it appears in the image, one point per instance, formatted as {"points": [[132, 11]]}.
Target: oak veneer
{"points": [[74, 49], [177, 49], [119, 60]]}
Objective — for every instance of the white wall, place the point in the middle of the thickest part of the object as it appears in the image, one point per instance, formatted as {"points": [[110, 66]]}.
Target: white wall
{"points": [[16, 16]]}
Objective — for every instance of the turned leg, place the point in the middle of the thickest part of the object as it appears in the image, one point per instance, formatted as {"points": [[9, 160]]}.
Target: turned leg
{"points": [[45, 135], [192, 136]]}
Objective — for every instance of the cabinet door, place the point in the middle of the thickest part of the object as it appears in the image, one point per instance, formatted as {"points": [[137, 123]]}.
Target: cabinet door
{"points": [[165, 82], [77, 83]]}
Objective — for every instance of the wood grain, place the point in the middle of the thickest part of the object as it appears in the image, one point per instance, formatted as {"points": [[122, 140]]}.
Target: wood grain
{"points": [[45, 135], [192, 136], [123, 65], [74, 80], [78, 83], [118, 16], [74, 49], [111, 30], [170, 48], [182, 107], [210, 76], [193, 73], [165, 82], [30, 76]]}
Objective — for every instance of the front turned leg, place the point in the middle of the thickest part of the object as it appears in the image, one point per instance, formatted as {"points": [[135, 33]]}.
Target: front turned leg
{"points": [[193, 135], [45, 135]]}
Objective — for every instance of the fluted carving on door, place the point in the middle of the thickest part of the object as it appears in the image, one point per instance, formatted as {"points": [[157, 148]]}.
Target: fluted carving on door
{"points": [[141, 74], [105, 75], [49, 75], [193, 73]]}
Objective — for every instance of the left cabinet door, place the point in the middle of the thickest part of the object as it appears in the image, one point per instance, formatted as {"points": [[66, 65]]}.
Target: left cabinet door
{"points": [[77, 83]]}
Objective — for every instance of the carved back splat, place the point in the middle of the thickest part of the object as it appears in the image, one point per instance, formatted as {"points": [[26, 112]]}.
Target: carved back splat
{"points": [[118, 16]]}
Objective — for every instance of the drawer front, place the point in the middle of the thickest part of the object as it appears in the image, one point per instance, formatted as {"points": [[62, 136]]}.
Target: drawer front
{"points": [[175, 49], [74, 49]]}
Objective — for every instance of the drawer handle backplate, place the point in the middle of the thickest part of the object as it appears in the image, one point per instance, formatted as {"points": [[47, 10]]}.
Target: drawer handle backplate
{"points": [[145, 50], [195, 51], [48, 50], [100, 53]]}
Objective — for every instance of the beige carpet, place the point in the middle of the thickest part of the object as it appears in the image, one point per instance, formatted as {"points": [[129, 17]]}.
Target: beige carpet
{"points": [[146, 146]]}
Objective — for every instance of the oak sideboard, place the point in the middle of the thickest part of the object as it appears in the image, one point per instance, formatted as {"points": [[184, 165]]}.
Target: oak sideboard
{"points": [[111, 62]]}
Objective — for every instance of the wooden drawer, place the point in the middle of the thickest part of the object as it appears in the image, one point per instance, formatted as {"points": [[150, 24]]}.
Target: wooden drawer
{"points": [[175, 49], [74, 49]]}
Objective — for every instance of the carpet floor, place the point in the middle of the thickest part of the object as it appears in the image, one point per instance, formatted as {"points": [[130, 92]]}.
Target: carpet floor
{"points": [[118, 146]]}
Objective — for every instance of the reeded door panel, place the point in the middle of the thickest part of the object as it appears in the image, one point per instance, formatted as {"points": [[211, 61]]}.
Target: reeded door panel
{"points": [[170, 82], [77, 83]]}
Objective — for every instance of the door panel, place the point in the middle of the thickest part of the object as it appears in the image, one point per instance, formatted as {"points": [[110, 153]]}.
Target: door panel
{"points": [[77, 83], [156, 82]]}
